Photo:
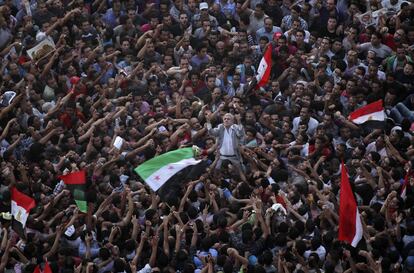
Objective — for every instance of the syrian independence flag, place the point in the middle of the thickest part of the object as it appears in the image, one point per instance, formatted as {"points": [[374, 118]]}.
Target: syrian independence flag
{"points": [[21, 204], [76, 183], [370, 112], [159, 170], [263, 71], [350, 226]]}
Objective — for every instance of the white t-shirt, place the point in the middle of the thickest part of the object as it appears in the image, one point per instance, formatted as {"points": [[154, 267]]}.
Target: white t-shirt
{"points": [[382, 50], [305, 148], [293, 37], [321, 251], [372, 148]]}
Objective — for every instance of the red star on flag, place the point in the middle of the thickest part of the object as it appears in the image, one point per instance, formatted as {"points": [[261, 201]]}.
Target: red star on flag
{"points": [[157, 178]]}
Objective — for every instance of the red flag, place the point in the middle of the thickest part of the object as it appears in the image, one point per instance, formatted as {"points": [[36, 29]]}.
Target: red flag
{"points": [[372, 111], [37, 269], [47, 268], [350, 226], [263, 71], [75, 178]]}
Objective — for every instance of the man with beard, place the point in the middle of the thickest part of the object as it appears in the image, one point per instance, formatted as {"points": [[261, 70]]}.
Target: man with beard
{"points": [[396, 62], [250, 120], [234, 87], [183, 26]]}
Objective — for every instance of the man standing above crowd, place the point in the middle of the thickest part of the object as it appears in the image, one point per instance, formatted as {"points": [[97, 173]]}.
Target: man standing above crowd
{"points": [[229, 138]]}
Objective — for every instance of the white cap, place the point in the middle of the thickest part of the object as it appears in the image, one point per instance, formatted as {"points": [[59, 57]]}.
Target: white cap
{"points": [[8, 96], [276, 207], [47, 106], [203, 5], [40, 36], [395, 128], [6, 215], [123, 178]]}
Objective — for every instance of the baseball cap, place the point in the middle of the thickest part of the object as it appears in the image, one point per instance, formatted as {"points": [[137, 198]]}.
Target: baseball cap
{"points": [[8, 96], [6, 216], [203, 5], [277, 35], [40, 36], [47, 106], [252, 260], [74, 80]]}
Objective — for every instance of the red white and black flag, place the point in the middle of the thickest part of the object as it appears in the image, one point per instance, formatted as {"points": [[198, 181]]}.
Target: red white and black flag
{"points": [[21, 204], [406, 183], [265, 66], [370, 112]]}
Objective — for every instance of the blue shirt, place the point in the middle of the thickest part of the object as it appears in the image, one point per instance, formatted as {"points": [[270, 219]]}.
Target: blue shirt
{"points": [[228, 8], [110, 18], [196, 62], [106, 76], [262, 32]]}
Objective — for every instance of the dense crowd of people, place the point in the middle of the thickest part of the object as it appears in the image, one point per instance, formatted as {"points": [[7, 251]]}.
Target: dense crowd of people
{"points": [[161, 75]]}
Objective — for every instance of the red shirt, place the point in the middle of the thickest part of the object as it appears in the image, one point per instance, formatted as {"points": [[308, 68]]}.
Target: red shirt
{"points": [[389, 41], [281, 201], [200, 85]]}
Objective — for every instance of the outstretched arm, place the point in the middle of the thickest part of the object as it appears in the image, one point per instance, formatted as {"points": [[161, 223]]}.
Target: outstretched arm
{"points": [[55, 246], [128, 216], [212, 131]]}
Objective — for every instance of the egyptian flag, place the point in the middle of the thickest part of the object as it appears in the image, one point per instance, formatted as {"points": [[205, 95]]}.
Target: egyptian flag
{"points": [[76, 183], [21, 204], [263, 71], [350, 226], [370, 112]]}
